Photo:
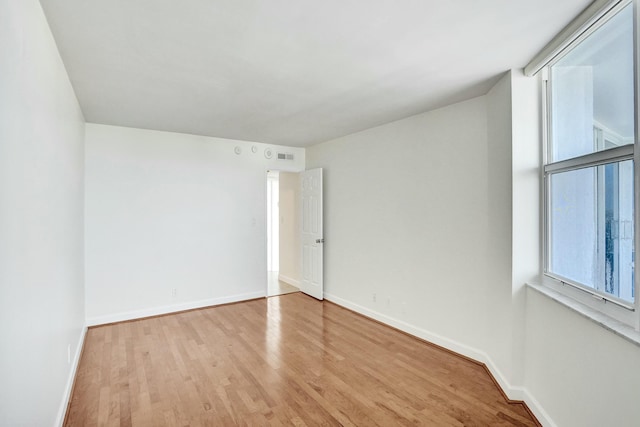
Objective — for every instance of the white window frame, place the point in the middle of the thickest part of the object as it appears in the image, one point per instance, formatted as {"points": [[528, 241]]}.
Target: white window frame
{"points": [[623, 311]]}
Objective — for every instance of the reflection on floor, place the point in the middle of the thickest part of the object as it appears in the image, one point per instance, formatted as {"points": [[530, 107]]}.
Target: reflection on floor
{"points": [[278, 287]]}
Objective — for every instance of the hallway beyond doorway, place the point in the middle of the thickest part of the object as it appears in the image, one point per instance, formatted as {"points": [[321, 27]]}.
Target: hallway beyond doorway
{"points": [[278, 287]]}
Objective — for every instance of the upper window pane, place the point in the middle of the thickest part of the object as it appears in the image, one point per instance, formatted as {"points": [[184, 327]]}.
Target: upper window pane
{"points": [[592, 92]]}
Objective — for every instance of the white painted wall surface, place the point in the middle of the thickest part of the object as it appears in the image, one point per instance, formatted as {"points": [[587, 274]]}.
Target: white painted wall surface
{"points": [[169, 211], [41, 221], [290, 239], [582, 374], [526, 165], [407, 218], [498, 246]]}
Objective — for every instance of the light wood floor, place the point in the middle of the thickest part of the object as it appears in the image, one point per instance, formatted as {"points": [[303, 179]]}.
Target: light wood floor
{"points": [[287, 360]]}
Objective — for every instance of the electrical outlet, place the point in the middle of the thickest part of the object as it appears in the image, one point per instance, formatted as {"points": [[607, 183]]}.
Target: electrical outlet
{"points": [[388, 302], [174, 292], [373, 297]]}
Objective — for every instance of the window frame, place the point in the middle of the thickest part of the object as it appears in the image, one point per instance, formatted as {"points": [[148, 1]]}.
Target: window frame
{"points": [[619, 309]]}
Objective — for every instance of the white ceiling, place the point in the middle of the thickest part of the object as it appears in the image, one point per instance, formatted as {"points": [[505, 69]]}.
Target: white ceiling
{"points": [[291, 72]]}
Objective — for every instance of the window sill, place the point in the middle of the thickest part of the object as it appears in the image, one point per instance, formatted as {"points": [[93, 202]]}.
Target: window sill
{"points": [[618, 328]]}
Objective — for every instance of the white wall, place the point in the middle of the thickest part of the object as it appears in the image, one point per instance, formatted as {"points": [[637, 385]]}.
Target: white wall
{"points": [[498, 297], [290, 239], [408, 218], [526, 155], [169, 211], [41, 221], [582, 374]]}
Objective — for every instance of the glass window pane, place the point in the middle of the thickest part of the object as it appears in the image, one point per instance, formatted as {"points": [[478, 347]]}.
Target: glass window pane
{"points": [[591, 228], [592, 92]]}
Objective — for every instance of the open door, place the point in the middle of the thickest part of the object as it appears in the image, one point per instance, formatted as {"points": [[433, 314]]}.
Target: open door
{"points": [[312, 239]]}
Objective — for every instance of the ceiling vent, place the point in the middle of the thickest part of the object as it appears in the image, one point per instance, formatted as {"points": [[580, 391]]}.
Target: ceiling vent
{"points": [[285, 156]]}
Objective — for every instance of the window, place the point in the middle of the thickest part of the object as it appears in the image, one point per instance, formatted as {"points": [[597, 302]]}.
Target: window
{"points": [[589, 163]]}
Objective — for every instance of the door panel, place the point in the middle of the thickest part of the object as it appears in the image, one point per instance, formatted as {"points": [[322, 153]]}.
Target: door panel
{"points": [[312, 238]]}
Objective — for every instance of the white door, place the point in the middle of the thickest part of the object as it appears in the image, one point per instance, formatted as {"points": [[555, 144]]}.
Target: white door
{"points": [[312, 239]]}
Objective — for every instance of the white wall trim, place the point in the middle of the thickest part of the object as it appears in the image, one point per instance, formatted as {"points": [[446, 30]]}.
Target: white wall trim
{"points": [[155, 311], [289, 280], [514, 393], [537, 409], [62, 411]]}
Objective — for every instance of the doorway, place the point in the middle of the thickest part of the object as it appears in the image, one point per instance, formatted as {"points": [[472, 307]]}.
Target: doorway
{"points": [[283, 234]]}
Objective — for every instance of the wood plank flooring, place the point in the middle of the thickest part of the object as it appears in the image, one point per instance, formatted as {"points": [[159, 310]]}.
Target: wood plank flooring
{"points": [[287, 360]]}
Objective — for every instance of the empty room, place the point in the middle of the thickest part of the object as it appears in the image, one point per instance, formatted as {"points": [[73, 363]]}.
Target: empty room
{"points": [[349, 213]]}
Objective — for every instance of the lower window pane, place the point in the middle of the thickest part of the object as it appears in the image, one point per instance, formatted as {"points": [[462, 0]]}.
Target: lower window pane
{"points": [[591, 228]]}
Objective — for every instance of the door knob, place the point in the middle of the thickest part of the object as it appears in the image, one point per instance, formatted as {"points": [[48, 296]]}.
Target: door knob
{"points": [[319, 240]]}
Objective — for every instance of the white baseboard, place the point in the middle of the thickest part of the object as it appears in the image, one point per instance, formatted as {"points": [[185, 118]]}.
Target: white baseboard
{"points": [[62, 411], [289, 280], [537, 409], [155, 311], [513, 393]]}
